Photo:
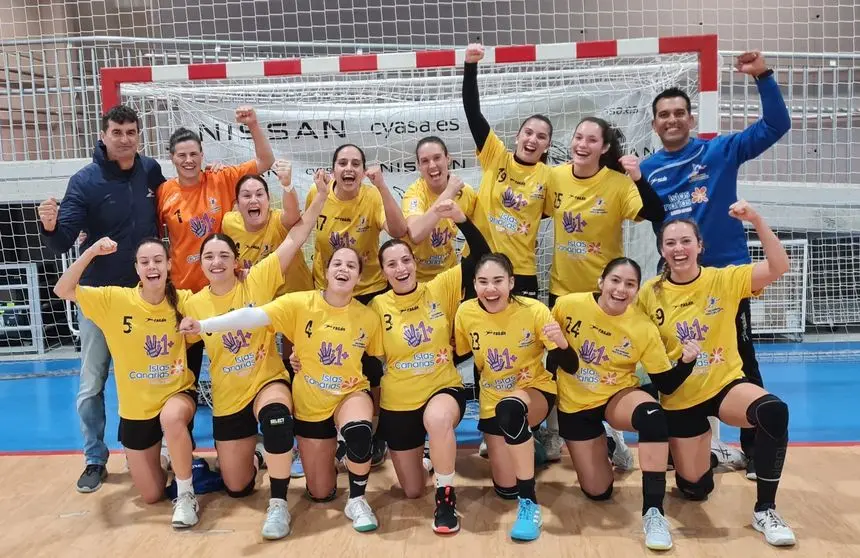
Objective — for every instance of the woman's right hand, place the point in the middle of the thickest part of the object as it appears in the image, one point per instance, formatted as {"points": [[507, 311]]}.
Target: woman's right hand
{"points": [[102, 247], [690, 351], [321, 180], [474, 53], [294, 362], [189, 326]]}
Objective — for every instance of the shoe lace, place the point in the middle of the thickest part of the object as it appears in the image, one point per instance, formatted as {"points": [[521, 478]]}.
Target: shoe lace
{"points": [[92, 468], [275, 510], [656, 523], [773, 519], [182, 499], [362, 507], [528, 510]]}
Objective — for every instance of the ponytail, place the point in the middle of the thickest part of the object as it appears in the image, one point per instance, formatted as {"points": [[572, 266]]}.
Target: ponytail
{"points": [[664, 276], [173, 300], [612, 137]]}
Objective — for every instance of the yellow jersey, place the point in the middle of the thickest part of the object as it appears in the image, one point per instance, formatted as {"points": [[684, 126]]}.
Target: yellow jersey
{"points": [[510, 204], [254, 246], [608, 347], [416, 335], [703, 310], [329, 342], [355, 223], [241, 362], [587, 215], [438, 252], [147, 350], [508, 348]]}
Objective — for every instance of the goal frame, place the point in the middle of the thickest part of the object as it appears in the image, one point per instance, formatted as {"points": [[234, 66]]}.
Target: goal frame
{"points": [[704, 46]]}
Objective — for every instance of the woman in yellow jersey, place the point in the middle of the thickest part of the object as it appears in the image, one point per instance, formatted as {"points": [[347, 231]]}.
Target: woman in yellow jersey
{"points": [[250, 384], [331, 332], [422, 391], [588, 200], [432, 238], [507, 336], [354, 216], [611, 336], [689, 301], [154, 386], [513, 186]]}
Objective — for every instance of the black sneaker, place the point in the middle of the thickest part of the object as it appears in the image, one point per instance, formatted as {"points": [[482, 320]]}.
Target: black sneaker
{"points": [[91, 479], [751, 469], [445, 518], [380, 448]]}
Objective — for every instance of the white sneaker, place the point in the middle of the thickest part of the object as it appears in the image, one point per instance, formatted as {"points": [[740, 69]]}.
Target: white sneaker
{"points": [[622, 458], [358, 510], [657, 530], [261, 450], [165, 458], [482, 449], [425, 461], [776, 531], [552, 443], [728, 458], [185, 510], [277, 524]]}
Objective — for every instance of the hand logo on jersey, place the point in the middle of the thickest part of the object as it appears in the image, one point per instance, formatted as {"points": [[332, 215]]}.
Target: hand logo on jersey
{"points": [[415, 335], [247, 264], [591, 354], [332, 355], [694, 331], [439, 237], [202, 226], [236, 342], [156, 347], [573, 224], [498, 361], [512, 200], [340, 240]]}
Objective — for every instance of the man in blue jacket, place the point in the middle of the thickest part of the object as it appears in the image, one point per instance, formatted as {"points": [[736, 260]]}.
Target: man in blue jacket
{"points": [[698, 179], [112, 196]]}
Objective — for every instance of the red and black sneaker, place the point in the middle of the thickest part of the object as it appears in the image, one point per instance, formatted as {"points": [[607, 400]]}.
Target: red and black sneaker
{"points": [[445, 519]]}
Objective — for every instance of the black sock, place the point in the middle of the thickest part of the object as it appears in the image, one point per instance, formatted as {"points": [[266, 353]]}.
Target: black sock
{"points": [[357, 484], [714, 461], [610, 446], [526, 488], [279, 487], [769, 459], [653, 490]]}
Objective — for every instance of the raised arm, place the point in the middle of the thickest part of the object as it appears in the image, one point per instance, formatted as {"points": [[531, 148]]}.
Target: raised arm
{"points": [[478, 125], [262, 148], [776, 262], [68, 282], [669, 381], [62, 223], [243, 318], [289, 199], [420, 226], [301, 230], [477, 243], [395, 223], [652, 208]]}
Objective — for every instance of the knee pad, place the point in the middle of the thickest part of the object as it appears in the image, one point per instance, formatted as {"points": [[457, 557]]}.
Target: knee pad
{"points": [[512, 416], [506, 493], [244, 492], [696, 491], [358, 438], [650, 421], [769, 414], [324, 499], [276, 424], [599, 497]]}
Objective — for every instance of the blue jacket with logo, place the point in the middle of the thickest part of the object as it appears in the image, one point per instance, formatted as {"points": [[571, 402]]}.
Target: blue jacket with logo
{"points": [[104, 200], [700, 181]]}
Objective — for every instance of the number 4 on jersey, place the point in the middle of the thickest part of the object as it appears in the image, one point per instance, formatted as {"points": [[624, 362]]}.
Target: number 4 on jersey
{"points": [[570, 327], [309, 328]]}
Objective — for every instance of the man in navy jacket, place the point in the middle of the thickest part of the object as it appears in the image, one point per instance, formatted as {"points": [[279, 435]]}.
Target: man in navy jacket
{"points": [[112, 196], [698, 179]]}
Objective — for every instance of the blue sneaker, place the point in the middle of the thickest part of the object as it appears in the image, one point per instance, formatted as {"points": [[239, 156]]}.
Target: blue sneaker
{"points": [[296, 470], [528, 523]]}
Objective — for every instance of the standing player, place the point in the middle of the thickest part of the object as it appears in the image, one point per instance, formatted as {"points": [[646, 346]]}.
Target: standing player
{"points": [[697, 179], [693, 302], [111, 197], [331, 333], [589, 199], [354, 216], [507, 335], [432, 238], [192, 205], [154, 387]]}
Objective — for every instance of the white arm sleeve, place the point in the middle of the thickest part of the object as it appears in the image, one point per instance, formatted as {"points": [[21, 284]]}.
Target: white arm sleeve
{"points": [[243, 318]]}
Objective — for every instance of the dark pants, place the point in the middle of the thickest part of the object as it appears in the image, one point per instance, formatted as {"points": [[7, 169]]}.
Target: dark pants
{"points": [[743, 323]]}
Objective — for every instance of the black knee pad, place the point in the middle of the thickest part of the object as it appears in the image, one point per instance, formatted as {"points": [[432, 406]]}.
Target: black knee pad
{"points": [[696, 491], [358, 436], [606, 495], [324, 499], [276, 424], [650, 421], [512, 416], [769, 414], [505, 492], [247, 491]]}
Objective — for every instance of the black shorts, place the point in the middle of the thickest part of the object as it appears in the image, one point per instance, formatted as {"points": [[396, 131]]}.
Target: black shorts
{"points": [[404, 430], [319, 430], [143, 434], [491, 425], [692, 422], [526, 285], [584, 425], [239, 425]]}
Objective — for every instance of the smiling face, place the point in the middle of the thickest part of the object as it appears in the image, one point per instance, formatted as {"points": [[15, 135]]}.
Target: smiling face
{"points": [[253, 203], [343, 271], [187, 157], [533, 140], [493, 286], [218, 261], [433, 163], [348, 168], [618, 288], [398, 265], [680, 246], [673, 122], [152, 266], [588, 145]]}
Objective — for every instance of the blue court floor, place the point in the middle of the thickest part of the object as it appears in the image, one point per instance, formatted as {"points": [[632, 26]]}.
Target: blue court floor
{"points": [[821, 387]]}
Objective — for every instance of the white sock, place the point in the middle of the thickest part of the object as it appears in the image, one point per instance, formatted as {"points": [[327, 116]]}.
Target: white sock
{"points": [[552, 421], [715, 428], [183, 486], [444, 480]]}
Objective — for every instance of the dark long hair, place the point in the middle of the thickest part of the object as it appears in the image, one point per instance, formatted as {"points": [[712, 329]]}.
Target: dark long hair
{"points": [[502, 261], [665, 271], [169, 288], [614, 138], [545, 155], [617, 262], [390, 243]]}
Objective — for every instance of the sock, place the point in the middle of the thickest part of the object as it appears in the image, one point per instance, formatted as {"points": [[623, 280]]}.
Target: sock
{"points": [[526, 488], [610, 446], [714, 461], [375, 422], [183, 486], [357, 484], [715, 428], [769, 459], [258, 462], [552, 421], [444, 480], [653, 490], [279, 487]]}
